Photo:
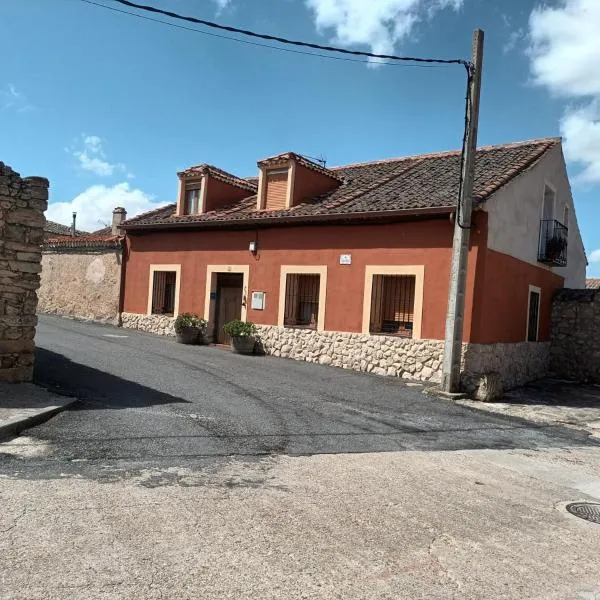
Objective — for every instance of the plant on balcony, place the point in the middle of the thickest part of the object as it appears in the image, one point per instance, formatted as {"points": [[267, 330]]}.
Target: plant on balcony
{"points": [[243, 336], [190, 328], [555, 246]]}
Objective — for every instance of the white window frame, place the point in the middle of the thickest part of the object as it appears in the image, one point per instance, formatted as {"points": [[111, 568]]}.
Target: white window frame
{"points": [[170, 268], [418, 271], [320, 270], [533, 288]]}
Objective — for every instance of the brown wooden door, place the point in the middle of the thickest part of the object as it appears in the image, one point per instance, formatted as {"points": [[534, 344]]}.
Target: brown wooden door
{"points": [[230, 308]]}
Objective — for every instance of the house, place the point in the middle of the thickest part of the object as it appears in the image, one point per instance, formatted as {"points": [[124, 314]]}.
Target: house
{"points": [[350, 265], [58, 230], [81, 274]]}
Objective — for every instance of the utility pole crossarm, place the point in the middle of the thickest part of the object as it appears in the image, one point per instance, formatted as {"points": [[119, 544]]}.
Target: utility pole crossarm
{"points": [[462, 225]]}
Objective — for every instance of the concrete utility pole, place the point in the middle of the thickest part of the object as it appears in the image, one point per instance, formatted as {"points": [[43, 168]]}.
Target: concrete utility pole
{"points": [[462, 224]]}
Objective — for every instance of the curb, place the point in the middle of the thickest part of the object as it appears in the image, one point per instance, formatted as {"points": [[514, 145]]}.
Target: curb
{"points": [[14, 426]]}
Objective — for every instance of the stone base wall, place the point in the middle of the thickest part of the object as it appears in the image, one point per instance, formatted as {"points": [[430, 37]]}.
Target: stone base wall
{"points": [[575, 350], [390, 356], [22, 205], [517, 363], [159, 324], [82, 283], [381, 355]]}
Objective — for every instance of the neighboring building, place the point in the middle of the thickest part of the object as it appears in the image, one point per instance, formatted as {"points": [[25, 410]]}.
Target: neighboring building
{"points": [[592, 284], [81, 274], [58, 230], [350, 265]]}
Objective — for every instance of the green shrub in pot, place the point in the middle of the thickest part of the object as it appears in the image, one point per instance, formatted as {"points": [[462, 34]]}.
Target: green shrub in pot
{"points": [[243, 336], [190, 328]]}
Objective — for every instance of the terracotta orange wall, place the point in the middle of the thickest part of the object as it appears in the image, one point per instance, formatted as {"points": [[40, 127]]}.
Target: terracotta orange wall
{"points": [[220, 194], [309, 183], [501, 298], [425, 243]]}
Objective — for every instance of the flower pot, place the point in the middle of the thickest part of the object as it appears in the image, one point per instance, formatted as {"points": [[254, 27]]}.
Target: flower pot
{"points": [[189, 335], [243, 344]]}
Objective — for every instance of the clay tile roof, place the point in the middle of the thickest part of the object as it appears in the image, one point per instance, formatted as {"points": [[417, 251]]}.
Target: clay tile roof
{"points": [[302, 160], [221, 175], [58, 229], [424, 183], [83, 241], [592, 284]]}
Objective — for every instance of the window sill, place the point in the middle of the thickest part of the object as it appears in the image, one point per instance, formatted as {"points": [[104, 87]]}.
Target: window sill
{"points": [[310, 327]]}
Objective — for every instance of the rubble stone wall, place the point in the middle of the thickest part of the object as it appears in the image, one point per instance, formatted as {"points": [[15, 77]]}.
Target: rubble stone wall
{"points": [[575, 337], [390, 356], [22, 205], [82, 283], [159, 324]]}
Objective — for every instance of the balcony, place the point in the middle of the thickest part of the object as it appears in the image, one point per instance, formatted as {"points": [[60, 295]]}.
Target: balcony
{"points": [[552, 248]]}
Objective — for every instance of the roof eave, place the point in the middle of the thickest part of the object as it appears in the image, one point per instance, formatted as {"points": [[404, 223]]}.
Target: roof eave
{"points": [[418, 213]]}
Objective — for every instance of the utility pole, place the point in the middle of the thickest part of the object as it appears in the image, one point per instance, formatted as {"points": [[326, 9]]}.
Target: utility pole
{"points": [[462, 231]]}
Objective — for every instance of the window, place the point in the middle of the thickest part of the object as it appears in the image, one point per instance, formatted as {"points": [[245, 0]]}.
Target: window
{"points": [[302, 300], [276, 189], [533, 314], [192, 201], [163, 292], [393, 305]]}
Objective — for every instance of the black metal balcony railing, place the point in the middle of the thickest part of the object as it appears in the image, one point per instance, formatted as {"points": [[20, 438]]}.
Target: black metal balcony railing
{"points": [[553, 243]]}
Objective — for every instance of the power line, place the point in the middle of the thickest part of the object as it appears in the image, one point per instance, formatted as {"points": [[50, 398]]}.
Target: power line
{"points": [[269, 46], [282, 40]]}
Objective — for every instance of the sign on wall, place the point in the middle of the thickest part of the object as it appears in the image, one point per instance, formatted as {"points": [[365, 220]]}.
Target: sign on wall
{"points": [[258, 300], [345, 259]]}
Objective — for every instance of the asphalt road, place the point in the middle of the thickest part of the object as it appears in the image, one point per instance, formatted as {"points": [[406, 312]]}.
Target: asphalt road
{"points": [[148, 401]]}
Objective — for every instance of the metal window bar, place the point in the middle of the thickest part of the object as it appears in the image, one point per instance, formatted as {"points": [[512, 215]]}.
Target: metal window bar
{"points": [[553, 244], [163, 293], [301, 300], [534, 311], [393, 305]]}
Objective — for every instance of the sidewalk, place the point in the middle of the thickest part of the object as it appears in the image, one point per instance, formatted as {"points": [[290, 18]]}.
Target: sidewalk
{"points": [[24, 405], [550, 402]]}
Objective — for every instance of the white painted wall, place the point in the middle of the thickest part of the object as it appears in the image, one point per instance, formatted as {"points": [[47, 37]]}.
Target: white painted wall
{"points": [[515, 212]]}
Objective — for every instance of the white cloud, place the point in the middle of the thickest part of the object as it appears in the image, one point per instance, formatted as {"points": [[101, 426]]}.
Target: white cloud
{"points": [[222, 5], [379, 24], [594, 257], [12, 99], [94, 206], [514, 37], [93, 158], [565, 52]]}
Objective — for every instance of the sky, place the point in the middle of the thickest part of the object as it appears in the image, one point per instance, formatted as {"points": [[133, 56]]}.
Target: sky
{"points": [[109, 106]]}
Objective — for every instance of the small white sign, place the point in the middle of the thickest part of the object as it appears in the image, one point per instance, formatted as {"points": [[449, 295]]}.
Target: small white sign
{"points": [[258, 300], [345, 259]]}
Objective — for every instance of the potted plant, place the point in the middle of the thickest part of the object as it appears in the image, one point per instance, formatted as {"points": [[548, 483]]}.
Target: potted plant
{"points": [[243, 336], [190, 328]]}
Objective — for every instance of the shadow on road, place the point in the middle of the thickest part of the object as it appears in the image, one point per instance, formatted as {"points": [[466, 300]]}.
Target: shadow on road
{"points": [[61, 375]]}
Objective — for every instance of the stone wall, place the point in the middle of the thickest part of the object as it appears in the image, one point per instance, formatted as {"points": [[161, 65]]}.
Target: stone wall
{"points": [[378, 354], [81, 282], [22, 205], [575, 351], [517, 363], [419, 360], [159, 324]]}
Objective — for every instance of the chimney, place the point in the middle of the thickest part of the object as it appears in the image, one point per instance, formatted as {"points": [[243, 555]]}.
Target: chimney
{"points": [[119, 215], [73, 224]]}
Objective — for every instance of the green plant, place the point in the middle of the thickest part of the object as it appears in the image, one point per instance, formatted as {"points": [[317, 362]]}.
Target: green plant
{"points": [[186, 320], [240, 328]]}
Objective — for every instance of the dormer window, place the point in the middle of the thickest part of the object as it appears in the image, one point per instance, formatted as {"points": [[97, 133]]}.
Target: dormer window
{"points": [[287, 180], [204, 188], [192, 201]]}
